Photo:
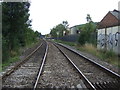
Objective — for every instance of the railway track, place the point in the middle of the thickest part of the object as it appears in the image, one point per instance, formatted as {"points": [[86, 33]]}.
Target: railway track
{"points": [[23, 74], [94, 75], [41, 67], [54, 71]]}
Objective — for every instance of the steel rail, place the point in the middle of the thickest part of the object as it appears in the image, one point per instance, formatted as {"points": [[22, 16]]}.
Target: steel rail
{"points": [[110, 72], [41, 68], [86, 81], [20, 63]]}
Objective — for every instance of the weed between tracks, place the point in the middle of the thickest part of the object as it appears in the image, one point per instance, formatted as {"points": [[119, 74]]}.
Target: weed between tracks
{"points": [[107, 56]]}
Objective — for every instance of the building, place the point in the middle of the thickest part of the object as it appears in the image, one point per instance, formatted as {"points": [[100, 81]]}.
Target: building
{"points": [[74, 30], [109, 32], [71, 34]]}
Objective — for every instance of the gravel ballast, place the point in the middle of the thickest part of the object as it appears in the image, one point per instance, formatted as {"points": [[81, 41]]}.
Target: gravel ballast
{"points": [[58, 72], [93, 73], [102, 62], [25, 75]]}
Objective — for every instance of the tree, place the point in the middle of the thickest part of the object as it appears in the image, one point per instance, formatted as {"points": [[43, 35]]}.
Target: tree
{"points": [[83, 37], [53, 32], [37, 34], [58, 30], [15, 27], [88, 30], [15, 20], [65, 23], [88, 18]]}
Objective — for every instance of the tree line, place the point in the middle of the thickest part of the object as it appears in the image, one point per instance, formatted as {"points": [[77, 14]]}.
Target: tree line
{"points": [[87, 31], [59, 30], [16, 31]]}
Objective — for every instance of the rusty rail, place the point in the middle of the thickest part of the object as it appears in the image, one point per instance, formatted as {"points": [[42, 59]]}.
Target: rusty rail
{"points": [[20, 63]]}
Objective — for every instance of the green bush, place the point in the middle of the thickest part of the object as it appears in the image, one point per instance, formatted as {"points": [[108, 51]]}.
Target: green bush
{"points": [[5, 50], [82, 38], [88, 34]]}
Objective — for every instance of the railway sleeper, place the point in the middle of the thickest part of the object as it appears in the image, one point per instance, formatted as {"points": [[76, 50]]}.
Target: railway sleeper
{"points": [[60, 88], [107, 85]]}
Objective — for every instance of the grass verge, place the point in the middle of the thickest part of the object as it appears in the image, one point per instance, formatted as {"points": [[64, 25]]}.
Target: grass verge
{"points": [[9, 61], [67, 43], [16, 57], [107, 56]]}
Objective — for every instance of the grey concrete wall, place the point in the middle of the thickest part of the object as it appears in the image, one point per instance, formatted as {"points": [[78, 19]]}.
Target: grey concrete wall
{"points": [[110, 40]]}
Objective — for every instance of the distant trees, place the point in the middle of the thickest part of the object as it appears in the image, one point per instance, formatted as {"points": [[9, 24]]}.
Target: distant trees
{"points": [[65, 23], [88, 18], [88, 32], [38, 34], [53, 32], [16, 31], [59, 29]]}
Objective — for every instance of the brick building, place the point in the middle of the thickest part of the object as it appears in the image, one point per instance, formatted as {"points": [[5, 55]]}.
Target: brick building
{"points": [[111, 19], [109, 32]]}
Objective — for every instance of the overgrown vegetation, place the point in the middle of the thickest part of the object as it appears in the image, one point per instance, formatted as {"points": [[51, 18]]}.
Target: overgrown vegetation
{"points": [[16, 57], [11, 60], [16, 31], [108, 56], [88, 32]]}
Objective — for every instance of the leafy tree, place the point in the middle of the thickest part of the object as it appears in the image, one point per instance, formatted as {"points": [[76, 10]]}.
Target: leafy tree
{"points": [[88, 30], [82, 38], [88, 18], [58, 30], [15, 21], [37, 34], [16, 31], [53, 32], [65, 23]]}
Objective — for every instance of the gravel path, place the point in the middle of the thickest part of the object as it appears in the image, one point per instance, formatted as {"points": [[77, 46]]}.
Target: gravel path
{"points": [[24, 76], [58, 72], [91, 72]]}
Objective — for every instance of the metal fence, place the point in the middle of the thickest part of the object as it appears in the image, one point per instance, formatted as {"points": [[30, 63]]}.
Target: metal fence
{"points": [[70, 38]]}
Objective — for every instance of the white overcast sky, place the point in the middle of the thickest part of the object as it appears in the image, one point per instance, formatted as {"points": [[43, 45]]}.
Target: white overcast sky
{"points": [[46, 14]]}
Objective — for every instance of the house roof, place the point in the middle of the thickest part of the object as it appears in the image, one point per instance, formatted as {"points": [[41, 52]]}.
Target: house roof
{"points": [[76, 26], [81, 25], [112, 18], [116, 13]]}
